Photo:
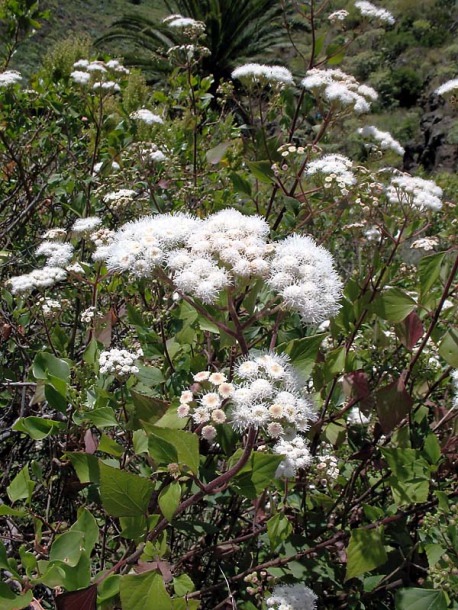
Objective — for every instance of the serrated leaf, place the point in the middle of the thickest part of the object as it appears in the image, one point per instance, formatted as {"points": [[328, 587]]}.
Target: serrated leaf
{"points": [[434, 552], [103, 417], [124, 494], [303, 352], [148, 408], [145, 590], [429, 271], [168, 446], [110, 446], [448, 348], [365, 551], [240, 184], [278, 530], [86, 467], [393, 305], [169, 499], [420, 599], [262, 171], [432, 448], [410, 330]]}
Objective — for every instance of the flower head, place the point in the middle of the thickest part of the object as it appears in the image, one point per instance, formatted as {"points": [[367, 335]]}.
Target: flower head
{"points": [[260, 73], [292, 597]]}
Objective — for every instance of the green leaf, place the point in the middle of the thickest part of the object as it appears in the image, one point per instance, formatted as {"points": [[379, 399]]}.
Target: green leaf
{"points": [[108, 445], [167, 446], [144, 591], [169, 499], [411, 474], [278, 530], [13, 512], [429, 270], [10, 601], [21, 487], [67, 548], [256, 475], [86, 467], [148, 408], [182, 585], [37, 427], [448, 347], [365, 552], [124, 494], [393, 305], [262, 171], [303, 352], [432, 448], [434, 552], [214, 155], [46, 364], [133, 528], [102, 417], [87, 525], [240, 184], [420, 599]]}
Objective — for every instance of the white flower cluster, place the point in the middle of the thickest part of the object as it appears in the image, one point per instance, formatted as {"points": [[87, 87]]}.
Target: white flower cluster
{"points": [[205, 402], [327, 466], [118, 200], [367, 9], [267, 396], [9, 77], [339, 87], [102, 237], [114, 165], [146, 116], [119, 362], [192, 26], [420, 193], [55, 233], [304, 276], [205, 256], [385, 139], [260, 73], [455, 384], [335, 167], [38, 278], [87, 72], [292, 597], [357, 418], [425, 243], [450, 85], [297, 456], [57, 254], [338, 16], [85, 226], [50, 307], [88, 314]]}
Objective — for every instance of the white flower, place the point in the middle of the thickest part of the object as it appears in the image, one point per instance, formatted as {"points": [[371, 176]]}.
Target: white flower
{"points": [[314, 288], [119, 362], [336, 167], [292, 597], [415, 191], [367, 9], [260, 73], [425, 243], [297, 455], [146, 116], [208, 433], [217, 378], [57, 253], [80, 77], [39, 278], [86, 225], [384, 137], [338, 16], [9, 77], [356, 416], [340, 87], [201, 376], [450, 85]]}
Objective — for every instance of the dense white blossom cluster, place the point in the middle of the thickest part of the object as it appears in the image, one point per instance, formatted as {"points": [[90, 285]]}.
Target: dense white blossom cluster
{"points": [[267, 396], [344, 89], [455, 384], [205, 256], [57, 254], [179, 22], [303, 274], [450, 85], [119, 362], [85, 226], [340, 15], [205, 402], [336, 167], [292, 597], [415, 191], [260, 73], [9, 77], [98, 74], [327, 468], [146, 116], [367, 9], [38, 278], [264, 394], [384, 138], [297, 456], [118, 200], [50, 307]]}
